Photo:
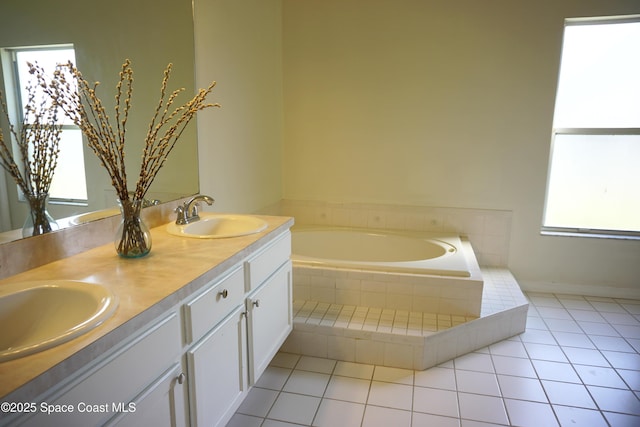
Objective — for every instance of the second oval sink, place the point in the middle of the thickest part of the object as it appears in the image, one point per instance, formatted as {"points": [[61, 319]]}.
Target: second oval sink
{"points": [[41, 314], [217, 226]]}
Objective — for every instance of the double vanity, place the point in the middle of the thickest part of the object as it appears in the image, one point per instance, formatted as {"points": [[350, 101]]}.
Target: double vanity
{"points": [[175, 338]]}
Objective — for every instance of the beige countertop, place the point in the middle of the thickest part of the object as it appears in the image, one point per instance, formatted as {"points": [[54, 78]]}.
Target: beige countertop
{"points": [[146, 287]]}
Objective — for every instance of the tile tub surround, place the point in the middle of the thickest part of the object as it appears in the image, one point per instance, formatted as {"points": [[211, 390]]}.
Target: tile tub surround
{"points": [[403, 338], [489, 230], [390, 290], [146, 287]]}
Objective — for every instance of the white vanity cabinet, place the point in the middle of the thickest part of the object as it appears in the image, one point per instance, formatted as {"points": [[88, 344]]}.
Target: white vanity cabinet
{"points": [[194, 364], [215, 327], [236, 327], [217, 372], [270, 319], [141, 383]]}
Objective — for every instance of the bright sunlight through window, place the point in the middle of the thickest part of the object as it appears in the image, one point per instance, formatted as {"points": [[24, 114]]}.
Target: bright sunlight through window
{"points": [[69, 180], [593, 183]]}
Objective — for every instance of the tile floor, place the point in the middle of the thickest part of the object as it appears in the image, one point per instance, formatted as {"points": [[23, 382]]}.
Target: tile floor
{"points": [[577, 364]]}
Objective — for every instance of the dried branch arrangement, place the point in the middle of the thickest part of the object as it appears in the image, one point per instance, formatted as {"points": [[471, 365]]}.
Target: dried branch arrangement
{"points": [[79, 101], [77, 98], [37, 140]]}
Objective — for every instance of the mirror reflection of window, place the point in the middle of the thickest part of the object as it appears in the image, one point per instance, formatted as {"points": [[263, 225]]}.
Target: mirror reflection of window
{"points": [[69, 181]]}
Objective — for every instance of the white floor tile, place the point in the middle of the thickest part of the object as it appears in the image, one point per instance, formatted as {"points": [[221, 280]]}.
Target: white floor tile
{"points": [[480, 362], [477, 382], [306, 382], [582, 354], [628, 331], [316, 364], [538, 337], [375, 416], [258, 402], [622, 360], [522, 388], [631, 378], [585, 356], [436, 377], [390, 395], [571, 339], [435, 401], [563, 325], [598, 328], [587, 316], [294, 408], [513, 366], [622, 420], [600, 376], [348, 389], [354, 370], [482, 408], [428, 420], [276, 423], [241, 420], [273, 378], [552, 353], [611, 343], [568, 394], [285, 360], [574, 417], [549, 370], [530, 414], [508, 348], [332, 413], [615, 400], [553, 313], [393, 375]]}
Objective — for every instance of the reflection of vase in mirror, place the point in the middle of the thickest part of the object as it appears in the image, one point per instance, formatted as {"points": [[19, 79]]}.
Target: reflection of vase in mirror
{"points": [[38, 219], [152, 33]]}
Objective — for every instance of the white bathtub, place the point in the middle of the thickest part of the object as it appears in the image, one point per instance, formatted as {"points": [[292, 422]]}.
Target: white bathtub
{"points": [[387, 251]]}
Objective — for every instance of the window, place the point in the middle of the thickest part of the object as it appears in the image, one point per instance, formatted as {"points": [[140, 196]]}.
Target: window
{"points": [[593, 185], [69, 181]]}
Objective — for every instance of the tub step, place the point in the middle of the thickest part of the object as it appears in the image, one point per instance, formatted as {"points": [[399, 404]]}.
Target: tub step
{"points": [[407, 339]]}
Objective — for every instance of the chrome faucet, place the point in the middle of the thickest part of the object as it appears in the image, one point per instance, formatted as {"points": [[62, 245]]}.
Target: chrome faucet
{"points": [[188, 212]]}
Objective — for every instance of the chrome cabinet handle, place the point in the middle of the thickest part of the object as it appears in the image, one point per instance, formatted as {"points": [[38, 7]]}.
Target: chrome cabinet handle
{"points": [[257, 303], [223, 293], [181, 378]]}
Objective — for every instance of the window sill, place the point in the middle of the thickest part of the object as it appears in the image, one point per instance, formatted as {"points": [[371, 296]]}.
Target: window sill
{"points": [[597, 234]]}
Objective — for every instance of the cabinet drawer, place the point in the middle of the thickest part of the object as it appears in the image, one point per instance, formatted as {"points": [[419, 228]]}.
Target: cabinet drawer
{"points": [[261, 266], [208, 309]]}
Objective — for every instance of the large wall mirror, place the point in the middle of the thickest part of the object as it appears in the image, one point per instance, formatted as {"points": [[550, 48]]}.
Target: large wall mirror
{"points": [[151, 33]]}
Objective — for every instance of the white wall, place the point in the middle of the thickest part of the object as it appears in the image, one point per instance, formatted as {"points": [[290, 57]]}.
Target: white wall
{"points": [[441, 103], [238, 44]]}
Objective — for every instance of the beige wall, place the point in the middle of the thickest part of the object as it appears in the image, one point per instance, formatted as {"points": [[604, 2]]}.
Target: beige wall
{"points": [[440, 103], [238, 44]]}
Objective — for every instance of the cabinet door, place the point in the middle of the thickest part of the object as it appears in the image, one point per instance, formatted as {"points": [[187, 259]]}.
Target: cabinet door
{"points": [[216, 372], [161, 405], [269, 312]]}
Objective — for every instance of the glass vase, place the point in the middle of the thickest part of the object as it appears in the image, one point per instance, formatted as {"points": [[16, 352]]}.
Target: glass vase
{"points": [[132, 239], [38, 220]]}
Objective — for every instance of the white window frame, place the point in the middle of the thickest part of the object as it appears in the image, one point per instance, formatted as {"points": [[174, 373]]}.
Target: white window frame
{"points": [[576, 231]]}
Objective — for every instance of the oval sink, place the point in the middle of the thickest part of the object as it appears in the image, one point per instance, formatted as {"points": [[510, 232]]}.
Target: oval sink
{"points": [[43, 314], [217, 226]]}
